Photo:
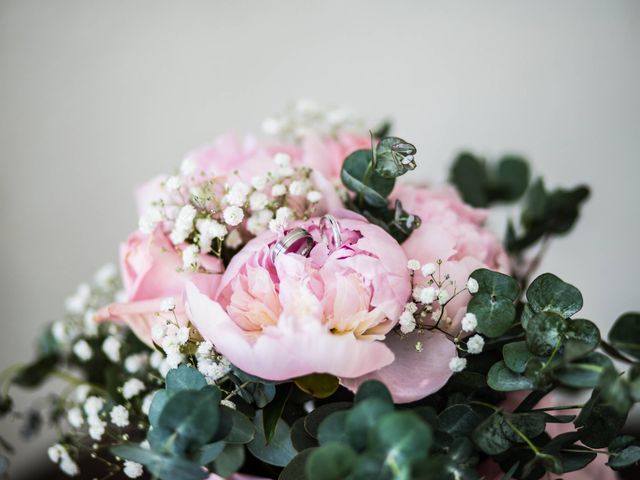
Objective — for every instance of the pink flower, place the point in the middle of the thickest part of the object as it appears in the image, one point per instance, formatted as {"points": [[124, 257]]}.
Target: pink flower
{"points": [[326, 155], [453, 232], [236, 476], [326, 313], [151, 271]]}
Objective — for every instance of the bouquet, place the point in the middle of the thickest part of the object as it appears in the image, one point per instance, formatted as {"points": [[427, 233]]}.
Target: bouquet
{"points": [[289, 309]]}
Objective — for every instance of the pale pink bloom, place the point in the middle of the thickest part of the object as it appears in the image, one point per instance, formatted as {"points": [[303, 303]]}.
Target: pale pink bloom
{"points": [[326, 313], [453, 232], [151, 269], [326, 155]]}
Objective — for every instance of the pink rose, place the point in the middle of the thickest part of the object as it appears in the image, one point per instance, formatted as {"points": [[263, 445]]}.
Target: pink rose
{"points": [[453, 232], [151, 271], [326, 313]]}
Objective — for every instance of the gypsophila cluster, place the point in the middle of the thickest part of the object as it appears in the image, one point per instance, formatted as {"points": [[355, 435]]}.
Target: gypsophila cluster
{"points": [[202, 213], [59, 455], [210, 364], [307, 116]]}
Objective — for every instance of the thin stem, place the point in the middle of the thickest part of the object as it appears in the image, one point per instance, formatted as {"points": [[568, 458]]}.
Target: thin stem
{"points": [[526, 439]]}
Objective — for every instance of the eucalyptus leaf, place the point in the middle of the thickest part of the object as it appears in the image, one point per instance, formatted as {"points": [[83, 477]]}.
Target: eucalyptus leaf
{"points": [[545, 332], [394, 157], [495, 315], [184, 378], [502, 379], [359, 177], [547, 293], [279, 451], [333, 461], [458, 420], [625, 334], [516, 355], [402, 438], [496, 284], [162, 466]]}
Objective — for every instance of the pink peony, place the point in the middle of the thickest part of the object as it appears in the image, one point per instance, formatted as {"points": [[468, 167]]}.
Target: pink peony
{"points": [[326, 155], [151, 271], [326, 313], [453, 232]]}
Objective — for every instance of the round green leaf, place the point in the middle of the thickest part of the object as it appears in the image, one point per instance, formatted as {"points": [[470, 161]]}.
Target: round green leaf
{"points": [[501, 379], [625, 458], [512, 177], [362, 417], [495, 314], [548, 293], [359, 178], [373, 389], [313, 420], [394, 157], [583, 373], [333, 428], [333, 461], [184, 378], [458, 420], [582, 336], [489, 435], [320, 385], [544, 332], [516, 355], [279, 451], [296, 469], [401, 438], [300, 439], [496, 283], [625, 334]]}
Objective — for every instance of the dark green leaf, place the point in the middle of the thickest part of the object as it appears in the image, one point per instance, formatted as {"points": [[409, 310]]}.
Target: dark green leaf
{"points": [[502, 379], [548, 293], [300, 439], [625, 458], [184, 378], [394, 157], [362, 418], [359, 177], [242, 430], [496, 284], [320, 385], [544, 332], [313, 420], [625, 334], [458, 420], [516, 355], [469, 175], [495, 315], [279, 451], [209, 452], [273, 410], [34, 374], [229, 461], [402, 438], [373, 389], [489, 435], [584, 373], [163, 467], [512, 178], [333, 461], [296, 469]]}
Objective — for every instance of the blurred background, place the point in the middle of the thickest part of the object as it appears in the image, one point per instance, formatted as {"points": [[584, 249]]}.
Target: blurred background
{"points": [[96, 97]]}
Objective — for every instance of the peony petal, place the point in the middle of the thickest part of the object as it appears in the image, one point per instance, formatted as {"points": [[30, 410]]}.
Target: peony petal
{"points": [[413, 375], [283, 354]]}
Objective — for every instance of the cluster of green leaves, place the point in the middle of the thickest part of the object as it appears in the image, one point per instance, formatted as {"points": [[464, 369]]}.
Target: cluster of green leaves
{"points": [[189, 429], [481, 184], [544, 213], [540, 347], [371, 175]]}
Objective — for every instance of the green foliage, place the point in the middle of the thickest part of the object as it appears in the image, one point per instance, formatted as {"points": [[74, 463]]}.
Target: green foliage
{"points": [[481, 184], [191, 429], [370, 174], [546, 213], [493, 303]]}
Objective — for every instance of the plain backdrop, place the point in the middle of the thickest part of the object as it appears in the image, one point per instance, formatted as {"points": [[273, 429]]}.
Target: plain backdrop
{"points": [[97, 96]]}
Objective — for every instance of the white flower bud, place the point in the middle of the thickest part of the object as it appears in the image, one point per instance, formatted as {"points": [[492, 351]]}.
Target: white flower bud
{"points": [[472, 285], [469, 322], [475, 344], [457, 364]]}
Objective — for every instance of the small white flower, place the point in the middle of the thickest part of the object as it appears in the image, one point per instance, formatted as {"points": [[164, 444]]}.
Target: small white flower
{"points": [[413, 264], [190, 257], [307, 107], [93, 405], [278, 190], [314, 196], [81, 393], [132, 469], [228, 403], [82, 350], [106, 275], [443, 296], [134, 363], [132, 388], [96, 428], [284, 172], [174, 359], [411, 307], [237, 194], [155, 360], [188, 167], [469, 322], [182, 336], [149, 220], [428, 269], [186, 216], [119, 416], [59, 331], [68, 466], [75, 418], [90, 325], [233, 215], [419, 347], [282, 159], [258, 201], [475, 344], [168, 304], [173, 183], [428, 295], [406, 328], [284, 215], [77, 303], [272, 126], [111, 348], [204, 349], [472, 285], [55, 452], [159, 330], [146, 402], [233, 240], [457, 364], [298, 188], [259, 182]]}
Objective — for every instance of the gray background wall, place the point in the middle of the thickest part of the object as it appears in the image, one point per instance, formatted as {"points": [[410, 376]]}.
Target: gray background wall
{"points": [[96, 96]]}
